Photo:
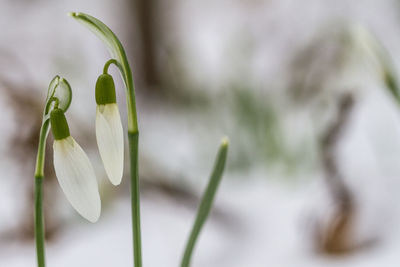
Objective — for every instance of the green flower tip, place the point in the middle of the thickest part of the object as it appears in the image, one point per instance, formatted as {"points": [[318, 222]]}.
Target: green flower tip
{"points": [[59, 124], [225, 142], [73, 14], [105, 90]]}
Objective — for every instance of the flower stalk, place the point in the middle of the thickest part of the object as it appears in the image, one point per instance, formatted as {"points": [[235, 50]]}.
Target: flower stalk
{"points": [[120, 60], [39, 221], [55, 98]]}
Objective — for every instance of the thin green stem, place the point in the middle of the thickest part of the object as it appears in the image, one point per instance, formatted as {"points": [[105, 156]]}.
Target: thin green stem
{"points": [[39, 176], [108, 63], [133, 134], [44, 131], [133, 137], [206, 202], [135, 198], [39, 223]]}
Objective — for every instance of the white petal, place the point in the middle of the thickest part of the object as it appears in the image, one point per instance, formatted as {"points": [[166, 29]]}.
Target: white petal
{"points": [[77, 178], [110, 140]]}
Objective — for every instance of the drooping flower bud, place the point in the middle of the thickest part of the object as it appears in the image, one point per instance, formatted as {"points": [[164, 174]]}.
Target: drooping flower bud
{"points": [[109, 132], [74, 171]]}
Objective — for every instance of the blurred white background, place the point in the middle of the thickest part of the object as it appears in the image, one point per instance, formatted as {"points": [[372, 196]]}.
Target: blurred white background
{"points": [[302, 102]]}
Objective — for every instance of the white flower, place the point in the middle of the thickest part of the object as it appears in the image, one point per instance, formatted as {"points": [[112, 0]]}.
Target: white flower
{"points": [[110, 140], [77, 178]]}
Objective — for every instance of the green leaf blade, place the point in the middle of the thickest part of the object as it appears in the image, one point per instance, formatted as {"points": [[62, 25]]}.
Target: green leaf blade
{"points": [[206, 201]]}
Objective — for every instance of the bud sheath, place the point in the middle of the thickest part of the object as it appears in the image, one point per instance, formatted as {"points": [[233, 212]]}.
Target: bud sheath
{"points": [[105, 90], [59, 125]]}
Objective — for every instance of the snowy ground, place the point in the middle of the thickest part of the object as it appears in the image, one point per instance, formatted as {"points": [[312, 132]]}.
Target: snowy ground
{"points": [[266, 228]]}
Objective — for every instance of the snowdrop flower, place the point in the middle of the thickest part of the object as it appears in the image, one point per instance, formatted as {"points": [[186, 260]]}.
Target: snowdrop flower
{"points": [[74, 171], [109, 133]]}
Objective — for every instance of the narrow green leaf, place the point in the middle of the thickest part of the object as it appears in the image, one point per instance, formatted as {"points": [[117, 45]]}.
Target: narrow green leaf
{"points": [[207, 201], [391, 83], [388, 70], [378, 50]]}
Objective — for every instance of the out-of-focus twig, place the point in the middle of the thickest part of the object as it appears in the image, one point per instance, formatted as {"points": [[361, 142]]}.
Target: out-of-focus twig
{"points": [[337, 236], [341, 194]]}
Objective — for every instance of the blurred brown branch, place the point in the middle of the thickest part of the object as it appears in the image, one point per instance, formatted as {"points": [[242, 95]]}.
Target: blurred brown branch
{"points": [[337, 236]]}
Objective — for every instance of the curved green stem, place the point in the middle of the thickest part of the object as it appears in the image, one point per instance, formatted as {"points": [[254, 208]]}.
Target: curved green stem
{"points": [[120, 60], [206, 202], [133, 138], [108, 63], [118, 53]]}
